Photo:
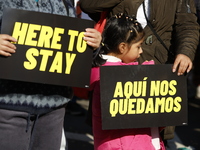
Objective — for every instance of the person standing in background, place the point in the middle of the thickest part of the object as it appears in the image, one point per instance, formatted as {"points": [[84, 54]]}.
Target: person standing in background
{"points": [[79, 12], [196, 71]]}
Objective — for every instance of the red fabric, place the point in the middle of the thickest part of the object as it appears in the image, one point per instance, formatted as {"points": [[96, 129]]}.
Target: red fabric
{"points": [[101, 23], [80, 92], [78, 10]]}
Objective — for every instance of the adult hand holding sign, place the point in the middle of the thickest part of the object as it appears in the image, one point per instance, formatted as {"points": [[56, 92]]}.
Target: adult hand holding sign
{"points": [[49, 46], [6, 47], [92, 37], [182, 64], [55, 47]]}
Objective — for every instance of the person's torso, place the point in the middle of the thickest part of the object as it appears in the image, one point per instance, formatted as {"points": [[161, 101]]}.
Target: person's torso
{"points": [[46, 6], [26, 96]]}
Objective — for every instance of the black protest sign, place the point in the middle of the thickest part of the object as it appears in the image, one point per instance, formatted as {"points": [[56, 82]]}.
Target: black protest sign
{"points": [[138, 96], [50, 48]]}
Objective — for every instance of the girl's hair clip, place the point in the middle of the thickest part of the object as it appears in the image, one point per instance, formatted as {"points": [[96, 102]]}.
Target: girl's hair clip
{"points": [[119, 15]]}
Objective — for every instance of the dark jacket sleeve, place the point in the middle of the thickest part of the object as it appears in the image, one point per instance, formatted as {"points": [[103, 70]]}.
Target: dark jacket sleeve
{"points": [[186, 29], [94, 6]]}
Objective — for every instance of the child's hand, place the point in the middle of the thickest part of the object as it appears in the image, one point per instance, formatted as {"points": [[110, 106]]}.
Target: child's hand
{"points": [[6, 47], [92, 37]]}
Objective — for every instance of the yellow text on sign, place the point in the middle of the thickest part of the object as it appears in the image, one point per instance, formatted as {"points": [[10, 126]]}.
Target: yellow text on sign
{"points": [[55, 66], [161, 99], [46, 37], [142, 106]]}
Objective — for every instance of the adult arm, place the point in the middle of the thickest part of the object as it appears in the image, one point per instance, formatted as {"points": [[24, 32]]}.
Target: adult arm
{"points": [[186, 36], [94, 6]]}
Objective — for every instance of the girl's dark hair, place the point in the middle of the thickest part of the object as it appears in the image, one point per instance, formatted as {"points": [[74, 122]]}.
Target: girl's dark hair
{"points": [[119, 28]]}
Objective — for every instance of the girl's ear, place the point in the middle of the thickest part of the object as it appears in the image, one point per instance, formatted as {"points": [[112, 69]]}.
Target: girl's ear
{"points": [[122, 47]]}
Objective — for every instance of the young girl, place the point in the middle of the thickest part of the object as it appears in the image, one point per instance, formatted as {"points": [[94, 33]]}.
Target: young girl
{"points": [[122, 39]]}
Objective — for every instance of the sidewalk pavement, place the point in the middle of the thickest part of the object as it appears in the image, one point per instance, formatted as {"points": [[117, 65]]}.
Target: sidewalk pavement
{"points": [[79, 134]]}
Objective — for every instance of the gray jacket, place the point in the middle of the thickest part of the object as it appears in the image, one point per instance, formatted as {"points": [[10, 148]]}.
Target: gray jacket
{"points": [[35, 98]]}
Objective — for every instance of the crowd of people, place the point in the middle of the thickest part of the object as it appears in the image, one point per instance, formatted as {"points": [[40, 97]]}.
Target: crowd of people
{"points": [[135, 31]]}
